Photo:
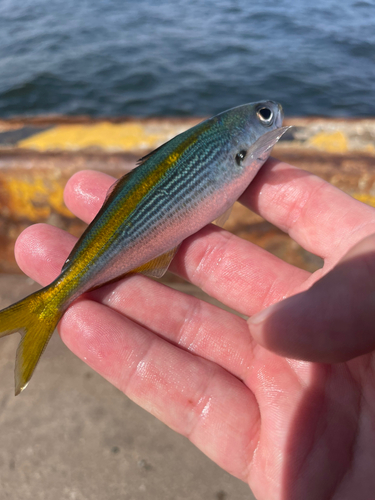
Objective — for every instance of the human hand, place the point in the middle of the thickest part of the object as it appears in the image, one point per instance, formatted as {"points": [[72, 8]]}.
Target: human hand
{"points": [[291, 429]]}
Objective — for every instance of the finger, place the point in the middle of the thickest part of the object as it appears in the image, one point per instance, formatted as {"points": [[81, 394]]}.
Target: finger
{"points": [[186, 321], [238, 273], [41, 251], [85, 192], [320, 217], [194, 397], [332, 321]]}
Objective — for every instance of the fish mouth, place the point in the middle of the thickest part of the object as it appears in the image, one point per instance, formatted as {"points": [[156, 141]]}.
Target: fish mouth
{"points": [[279, 117]]}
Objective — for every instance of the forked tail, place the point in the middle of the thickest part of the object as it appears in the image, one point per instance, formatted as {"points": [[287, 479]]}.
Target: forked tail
{"points": [[36, 320]]}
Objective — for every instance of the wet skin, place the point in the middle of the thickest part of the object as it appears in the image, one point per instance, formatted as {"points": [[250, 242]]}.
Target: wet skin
{"points": [[292, 428]]}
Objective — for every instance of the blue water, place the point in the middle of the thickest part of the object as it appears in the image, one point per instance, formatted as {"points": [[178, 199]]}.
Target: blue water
{"points": [[186, 57]]}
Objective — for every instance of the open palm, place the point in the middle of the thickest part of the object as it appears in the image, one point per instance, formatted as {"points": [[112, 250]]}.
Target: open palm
{"points": [[292, 429]]}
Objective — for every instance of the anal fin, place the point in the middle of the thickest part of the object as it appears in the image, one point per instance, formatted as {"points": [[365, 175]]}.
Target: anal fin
{"points": [[156, 268], [220, 221]]}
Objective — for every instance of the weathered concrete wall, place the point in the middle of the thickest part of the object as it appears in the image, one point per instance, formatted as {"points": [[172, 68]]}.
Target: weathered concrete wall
{"points": [[38, 155]]}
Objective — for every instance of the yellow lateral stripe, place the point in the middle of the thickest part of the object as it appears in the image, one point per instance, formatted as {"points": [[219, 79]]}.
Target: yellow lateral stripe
{"points": [[102, 239], [105, 135], [142, 189]]}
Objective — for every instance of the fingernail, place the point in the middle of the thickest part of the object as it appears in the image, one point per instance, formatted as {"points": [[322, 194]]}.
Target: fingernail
{"points": [[259, 318]]}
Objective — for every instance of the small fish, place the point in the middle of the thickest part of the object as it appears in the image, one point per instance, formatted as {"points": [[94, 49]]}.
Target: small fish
{"points": [[177, 189]]}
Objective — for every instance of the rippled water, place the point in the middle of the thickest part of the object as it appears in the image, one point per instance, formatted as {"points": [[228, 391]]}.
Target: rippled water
{"points": [[186, 57]]}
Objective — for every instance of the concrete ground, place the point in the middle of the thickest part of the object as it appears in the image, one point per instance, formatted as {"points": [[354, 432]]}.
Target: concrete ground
{"points": [[72, 436]]}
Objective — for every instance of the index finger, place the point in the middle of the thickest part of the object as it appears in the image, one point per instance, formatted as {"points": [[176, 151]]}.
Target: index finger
{"points": [[320, 217]]}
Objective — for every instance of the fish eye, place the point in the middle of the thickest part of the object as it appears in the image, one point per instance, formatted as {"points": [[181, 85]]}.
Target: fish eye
{"points": [[240, 156], [265, 115]]}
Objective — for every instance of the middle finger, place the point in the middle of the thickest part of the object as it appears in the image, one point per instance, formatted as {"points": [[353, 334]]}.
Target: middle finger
{"points": [[234, 271]]}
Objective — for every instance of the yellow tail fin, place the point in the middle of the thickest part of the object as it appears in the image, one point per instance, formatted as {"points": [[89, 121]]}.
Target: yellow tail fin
{"points": [[36, 322]]}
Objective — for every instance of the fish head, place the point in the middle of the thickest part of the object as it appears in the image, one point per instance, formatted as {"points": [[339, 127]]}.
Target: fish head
{"points": [[253, 130]]}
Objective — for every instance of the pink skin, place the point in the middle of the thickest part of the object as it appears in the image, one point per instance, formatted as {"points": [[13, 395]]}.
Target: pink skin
{"points": [[292, 429]]}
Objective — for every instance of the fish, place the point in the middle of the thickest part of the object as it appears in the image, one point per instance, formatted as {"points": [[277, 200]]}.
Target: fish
{"points": [[174, 191]]}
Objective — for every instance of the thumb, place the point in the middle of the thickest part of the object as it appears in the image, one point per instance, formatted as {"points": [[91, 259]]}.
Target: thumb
{"points": [[333, 321]]}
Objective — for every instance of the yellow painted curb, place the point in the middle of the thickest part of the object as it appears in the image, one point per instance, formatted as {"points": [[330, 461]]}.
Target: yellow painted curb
{"points": [[365, 198], [331, 142], [105, 135], [36, 200]]}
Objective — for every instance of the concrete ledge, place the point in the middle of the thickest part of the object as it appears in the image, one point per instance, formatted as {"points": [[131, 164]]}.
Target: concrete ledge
{"points": [[38, 155]]}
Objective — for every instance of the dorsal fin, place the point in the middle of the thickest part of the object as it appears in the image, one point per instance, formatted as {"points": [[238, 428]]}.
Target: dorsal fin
{"points": [[151, 153], [113, 187], [148, 155], [188, 131]]}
